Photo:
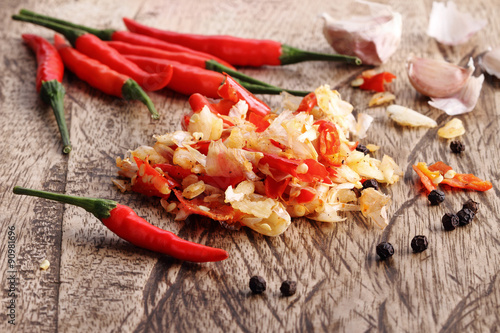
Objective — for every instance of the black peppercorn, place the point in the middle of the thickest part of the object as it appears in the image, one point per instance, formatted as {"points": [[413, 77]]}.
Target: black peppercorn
{"points": [[457, 146], [257, 284], [370, 183], [288, 288], [385, 250], [472, 205], [363, 149], [465, 216], [450, 221], [419, 243], [436, 197]]}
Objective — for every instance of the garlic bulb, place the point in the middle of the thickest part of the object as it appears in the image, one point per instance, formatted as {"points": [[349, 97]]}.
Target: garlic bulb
{"points": [[372, 37], [490, 62], [451, 27], [436, 78]]}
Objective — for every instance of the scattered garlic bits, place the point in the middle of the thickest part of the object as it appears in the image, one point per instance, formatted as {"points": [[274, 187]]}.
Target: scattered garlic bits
{"points": [[373, 35], [303, 164], [44, 265], [381, 98], [449, 26], [452, 129], [407, 117]]}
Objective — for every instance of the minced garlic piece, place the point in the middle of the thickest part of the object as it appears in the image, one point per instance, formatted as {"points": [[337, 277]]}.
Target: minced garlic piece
{"points": [[452, 129], [44, 265], [381, 98]]}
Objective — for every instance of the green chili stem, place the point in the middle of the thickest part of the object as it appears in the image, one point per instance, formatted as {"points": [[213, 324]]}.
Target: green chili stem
{"points": [[101, 208], [272, 90], [104, 34], [213, 65], [292, 55], [132, 91], [52, 92], [71, 34]]}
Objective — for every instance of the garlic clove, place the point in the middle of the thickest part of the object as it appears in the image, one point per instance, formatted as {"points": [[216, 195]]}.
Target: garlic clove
{"points": [[373, 36], [490, 62], [450, 26], [407, 117], [436, 78], [463, 101]]}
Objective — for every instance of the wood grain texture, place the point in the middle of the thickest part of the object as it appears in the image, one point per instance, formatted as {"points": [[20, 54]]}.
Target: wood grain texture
{"points": [[98, 282]]}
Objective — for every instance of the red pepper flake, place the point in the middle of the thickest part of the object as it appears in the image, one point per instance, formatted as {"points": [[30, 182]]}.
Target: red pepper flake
{"points": [[376, 82]]}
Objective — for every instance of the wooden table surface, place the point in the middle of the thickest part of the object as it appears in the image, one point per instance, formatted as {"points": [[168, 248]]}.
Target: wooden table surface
{"points": [[99, 283]]}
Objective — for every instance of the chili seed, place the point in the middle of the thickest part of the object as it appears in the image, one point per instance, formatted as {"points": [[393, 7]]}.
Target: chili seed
{"points": [[419, 243], [363, 149], [457, 146], [472, 205], [450, 221], [370, 183], [288, 288], [436, 197], [465, 216], [257, 284], [385, 250]]}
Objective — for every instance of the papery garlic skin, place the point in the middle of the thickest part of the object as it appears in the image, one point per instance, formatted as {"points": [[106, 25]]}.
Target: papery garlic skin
{"points": [[373, 38], [490, 62], [451, 27], [463, 101], [436, 78]]}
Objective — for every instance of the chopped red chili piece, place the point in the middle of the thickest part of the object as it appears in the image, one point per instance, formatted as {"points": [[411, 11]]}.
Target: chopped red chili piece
{"points": [[377, 82], [274, 189]]}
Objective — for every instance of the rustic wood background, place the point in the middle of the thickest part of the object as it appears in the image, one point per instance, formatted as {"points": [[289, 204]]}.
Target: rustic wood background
{"points": [[99, 283]]}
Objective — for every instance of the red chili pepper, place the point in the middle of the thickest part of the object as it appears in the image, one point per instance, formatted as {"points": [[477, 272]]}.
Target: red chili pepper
{"points": [[221, 106], [234, 92], [377, 82], [281, 167], [460, 180], [126, 224], [308, 103], [101, 76], [468, 181], [150, 182], [222, 213], [329, 142], [97, 49], [424, 179], [48, 81], [274, 189], [238, 51], [128, 37], [144, 51], [304, 195], [186, 79], [179, 173]]}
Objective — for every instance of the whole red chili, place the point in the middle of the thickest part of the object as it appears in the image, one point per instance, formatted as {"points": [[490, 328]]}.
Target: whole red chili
{"points": [[238, 51], [101, 76], [48, 81], [126, 224], [187, 79], [97, 49], [128, 37]]}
